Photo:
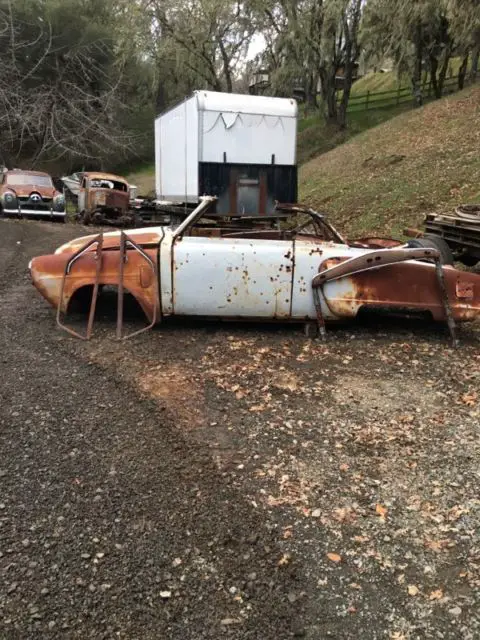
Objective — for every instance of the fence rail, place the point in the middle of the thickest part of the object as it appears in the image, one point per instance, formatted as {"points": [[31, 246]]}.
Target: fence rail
{"points": [[394, 97]]}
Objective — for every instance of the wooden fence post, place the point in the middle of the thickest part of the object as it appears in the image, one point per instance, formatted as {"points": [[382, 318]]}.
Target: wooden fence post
{"points": [[366, 100], [398, 95]]}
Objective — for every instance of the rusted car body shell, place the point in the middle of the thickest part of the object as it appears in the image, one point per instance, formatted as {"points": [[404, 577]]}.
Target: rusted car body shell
{"points": [[93, 198], [33, 197], [250, 278]]}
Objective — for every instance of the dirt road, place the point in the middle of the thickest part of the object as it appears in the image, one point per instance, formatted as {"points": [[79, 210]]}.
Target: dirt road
{"points": [[211, 481]]}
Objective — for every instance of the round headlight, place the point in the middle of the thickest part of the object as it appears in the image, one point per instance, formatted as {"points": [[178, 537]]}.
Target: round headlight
{"points": [[9, 197], [59, 202]]}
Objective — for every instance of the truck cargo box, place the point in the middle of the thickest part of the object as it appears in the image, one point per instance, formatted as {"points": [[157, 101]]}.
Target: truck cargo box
{"points": [[240, 148]]}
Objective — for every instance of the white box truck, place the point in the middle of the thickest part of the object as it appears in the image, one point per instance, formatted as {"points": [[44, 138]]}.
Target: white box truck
{"points": [[240, 148]]}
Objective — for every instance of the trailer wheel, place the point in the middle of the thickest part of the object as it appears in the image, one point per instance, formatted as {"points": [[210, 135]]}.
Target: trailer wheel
{"points": [[432, 242]]}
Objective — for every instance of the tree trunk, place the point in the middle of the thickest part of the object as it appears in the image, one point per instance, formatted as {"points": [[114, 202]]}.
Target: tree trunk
{"points": [[433, 76], [160, 97], [475, 57], [417, 70], [462, 71], [443, 72], [226, 67], [311, 92], [329, 94], [347, 87]]}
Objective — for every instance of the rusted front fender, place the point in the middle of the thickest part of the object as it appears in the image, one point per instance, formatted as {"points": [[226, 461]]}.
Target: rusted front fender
{"points": [[48, 271]]}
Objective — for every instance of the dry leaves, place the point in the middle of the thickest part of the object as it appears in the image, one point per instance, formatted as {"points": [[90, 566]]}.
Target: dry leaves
{"points": [[470, 399], [438, 545], [436, 595], [284, 560], [412, 590], [334, 557], [381, 511]]}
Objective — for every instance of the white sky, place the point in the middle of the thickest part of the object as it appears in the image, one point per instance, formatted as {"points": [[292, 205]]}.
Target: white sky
{"points": [[256, 46]]}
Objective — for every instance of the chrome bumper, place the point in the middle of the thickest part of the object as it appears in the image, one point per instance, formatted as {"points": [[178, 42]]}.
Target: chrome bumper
{"points": [[34, 212]]}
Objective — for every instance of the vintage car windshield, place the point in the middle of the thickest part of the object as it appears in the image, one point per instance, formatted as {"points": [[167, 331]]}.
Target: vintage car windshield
{"points": [[97, 183], [22, 179]]}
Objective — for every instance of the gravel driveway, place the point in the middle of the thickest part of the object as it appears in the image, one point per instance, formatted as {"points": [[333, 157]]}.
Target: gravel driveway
{"points": [[221, 481]]}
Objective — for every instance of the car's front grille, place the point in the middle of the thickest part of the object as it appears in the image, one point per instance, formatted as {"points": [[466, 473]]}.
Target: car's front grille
{"points": [[25, 202]]}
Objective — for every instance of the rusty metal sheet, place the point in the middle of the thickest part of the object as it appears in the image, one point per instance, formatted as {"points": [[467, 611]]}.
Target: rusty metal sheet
{"points": [[47, 273], [409, 285], [144, 237], [231, 277], [375, 242], [465, 289], [100, 175]]}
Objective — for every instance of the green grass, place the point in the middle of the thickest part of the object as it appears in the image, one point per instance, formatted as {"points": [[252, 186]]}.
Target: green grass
{"points": [[390, 80], [316, 137], [144, 178], [389, 176]]}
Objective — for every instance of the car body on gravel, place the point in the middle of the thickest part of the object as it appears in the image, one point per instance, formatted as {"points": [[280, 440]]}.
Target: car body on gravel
{"points": [[307, 273], [30, 194]]}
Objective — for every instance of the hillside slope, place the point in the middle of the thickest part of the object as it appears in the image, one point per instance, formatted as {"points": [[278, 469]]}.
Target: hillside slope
{"points": [[386, 178]]}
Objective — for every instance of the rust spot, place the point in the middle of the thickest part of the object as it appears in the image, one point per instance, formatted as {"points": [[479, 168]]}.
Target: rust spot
{"points": [[465, 290]]}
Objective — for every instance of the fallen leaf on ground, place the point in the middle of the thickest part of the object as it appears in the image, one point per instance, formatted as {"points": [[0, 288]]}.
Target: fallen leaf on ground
{"points": [[436, 595], [334, 557], [284, 560], [381, 510], [412, 590], [227, 621], [437, 545], [470, 399]]}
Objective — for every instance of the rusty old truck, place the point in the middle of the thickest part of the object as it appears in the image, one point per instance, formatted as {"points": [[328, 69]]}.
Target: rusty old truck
{"points": [[304, 273], [103, 198]]}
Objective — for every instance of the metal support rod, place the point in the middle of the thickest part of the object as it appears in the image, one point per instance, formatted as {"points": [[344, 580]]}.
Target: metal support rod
{"points": [[126, 241], [98, 240], [320, 317], [98, 269], [446, 303], [121, 270]]}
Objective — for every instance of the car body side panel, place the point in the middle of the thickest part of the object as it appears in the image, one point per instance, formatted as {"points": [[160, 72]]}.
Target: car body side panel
{"points": [[309, 257], [409, 285], [231, 277]]}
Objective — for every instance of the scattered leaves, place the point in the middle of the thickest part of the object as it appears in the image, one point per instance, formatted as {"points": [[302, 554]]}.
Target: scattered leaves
{"points": [[412, 590], [334, 557], [470, 399], [381, 511], [284, 560]]}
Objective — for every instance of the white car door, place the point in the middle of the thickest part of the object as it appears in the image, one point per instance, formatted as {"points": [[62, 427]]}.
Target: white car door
{"points": [[232, 277], [82, 196]]}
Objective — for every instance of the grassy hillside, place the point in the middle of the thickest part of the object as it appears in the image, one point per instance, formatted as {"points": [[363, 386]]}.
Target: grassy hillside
{"points": [[386, 178], [316, 137], [389, 81], [144, 179]]}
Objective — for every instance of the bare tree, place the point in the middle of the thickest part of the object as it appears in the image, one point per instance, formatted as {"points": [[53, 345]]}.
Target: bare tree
{"points": [[57, 99], [211, 36]]}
